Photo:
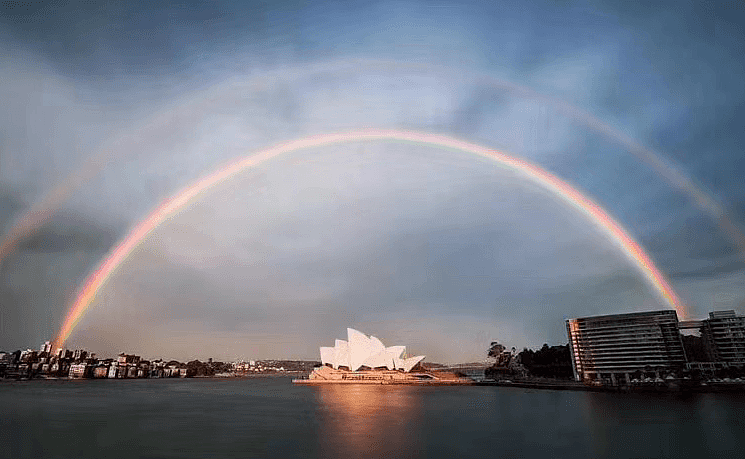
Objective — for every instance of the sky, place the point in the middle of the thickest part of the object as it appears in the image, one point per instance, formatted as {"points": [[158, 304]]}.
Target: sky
{"points": [[109, 108]]}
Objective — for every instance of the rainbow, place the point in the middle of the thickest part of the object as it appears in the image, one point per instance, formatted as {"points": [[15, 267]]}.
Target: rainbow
{"points": [[633, 251], [42, 210]]}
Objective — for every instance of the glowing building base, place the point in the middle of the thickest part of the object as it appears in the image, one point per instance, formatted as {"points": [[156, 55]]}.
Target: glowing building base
{"points": [[328, 375]]}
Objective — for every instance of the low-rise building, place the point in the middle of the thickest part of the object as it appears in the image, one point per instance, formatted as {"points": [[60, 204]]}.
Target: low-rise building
{"points": [[128, 358], [80, 370], [45, 348], [101, 371], [132, 371], [79, 354]]}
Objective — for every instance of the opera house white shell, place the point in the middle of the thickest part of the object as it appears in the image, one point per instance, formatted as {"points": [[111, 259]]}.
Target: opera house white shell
{"points": [[360, 350]]}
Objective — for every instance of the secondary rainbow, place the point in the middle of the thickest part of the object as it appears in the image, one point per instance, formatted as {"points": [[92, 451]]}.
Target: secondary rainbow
{"points": [[633, 251], [42, 210]]}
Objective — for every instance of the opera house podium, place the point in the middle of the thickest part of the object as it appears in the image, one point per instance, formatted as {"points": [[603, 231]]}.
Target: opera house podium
{"points": [[365, 359]]}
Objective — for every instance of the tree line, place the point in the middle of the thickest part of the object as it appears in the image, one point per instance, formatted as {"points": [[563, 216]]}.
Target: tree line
{"points": [[547, 362]]}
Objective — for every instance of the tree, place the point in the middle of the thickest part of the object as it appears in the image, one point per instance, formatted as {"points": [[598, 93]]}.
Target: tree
{"points": [[495, 349], [548, 361]]}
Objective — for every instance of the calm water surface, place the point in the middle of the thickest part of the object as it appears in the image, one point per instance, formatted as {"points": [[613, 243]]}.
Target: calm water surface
{"points": [[269, 417]]}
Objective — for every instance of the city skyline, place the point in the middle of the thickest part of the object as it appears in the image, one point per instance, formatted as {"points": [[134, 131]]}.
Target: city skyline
{"points": [[112, 110]]}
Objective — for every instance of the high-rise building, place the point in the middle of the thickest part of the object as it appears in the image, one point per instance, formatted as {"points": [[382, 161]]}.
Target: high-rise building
{"points": [[610, 348], [723, 334]]}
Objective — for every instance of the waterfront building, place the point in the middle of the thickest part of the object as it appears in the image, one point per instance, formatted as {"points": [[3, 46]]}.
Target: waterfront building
{"points": [[121, 371], [29, 356], [362, 351], [101, 371], [609, 349], [131, 371], [56, 368], [363, 359], [723, 334], [79, 370], [128, 358]]}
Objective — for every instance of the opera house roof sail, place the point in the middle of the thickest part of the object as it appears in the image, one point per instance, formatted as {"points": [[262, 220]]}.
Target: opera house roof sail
{"points": [[361, 350]]}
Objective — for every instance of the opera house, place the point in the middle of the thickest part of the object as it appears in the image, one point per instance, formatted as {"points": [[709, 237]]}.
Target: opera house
{"points": [[362, 351], [363, 359]]}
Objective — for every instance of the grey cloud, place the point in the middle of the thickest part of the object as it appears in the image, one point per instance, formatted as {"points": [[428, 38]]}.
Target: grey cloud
{"points": [[467, 251], [70, 233], [326, 239], [10, 205]]}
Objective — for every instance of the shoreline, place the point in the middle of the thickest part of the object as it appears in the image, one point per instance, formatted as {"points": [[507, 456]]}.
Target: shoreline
{"points": [[716, 387], [288, 374], [675, 388], [579, 386], [316, 382]]}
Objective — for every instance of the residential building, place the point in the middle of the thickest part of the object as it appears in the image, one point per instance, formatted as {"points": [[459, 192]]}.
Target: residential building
{"points": [[128, 358], [610, 349], [723, 334], [101, 371], [46, 348], [80, 370]]}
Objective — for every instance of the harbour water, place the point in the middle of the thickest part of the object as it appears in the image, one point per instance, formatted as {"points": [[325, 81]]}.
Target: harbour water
{"points": [[270, 417]]}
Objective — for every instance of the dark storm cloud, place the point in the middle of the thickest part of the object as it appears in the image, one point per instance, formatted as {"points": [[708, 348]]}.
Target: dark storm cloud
{"points": [[695, 248], [104, 38], [41, 276], [10, 204], [70, 233]]}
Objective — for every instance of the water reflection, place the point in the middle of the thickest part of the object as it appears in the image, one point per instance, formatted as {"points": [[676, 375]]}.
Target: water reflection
{"points": [[270, 418], [367, 421], [665, 425]]}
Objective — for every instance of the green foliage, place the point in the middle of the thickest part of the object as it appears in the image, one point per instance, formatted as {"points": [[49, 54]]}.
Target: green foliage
{"points": [[548, 362], [197, 368], [495, 349]]}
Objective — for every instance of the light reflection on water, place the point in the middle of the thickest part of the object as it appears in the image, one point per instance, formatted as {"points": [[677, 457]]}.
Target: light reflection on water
{"points": [[374, 420], [270, 417]]}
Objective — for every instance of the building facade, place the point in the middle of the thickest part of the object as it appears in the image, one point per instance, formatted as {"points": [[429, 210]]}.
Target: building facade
{"points": [[80, 370], [723, 334], [361, 351], [610, 349]]}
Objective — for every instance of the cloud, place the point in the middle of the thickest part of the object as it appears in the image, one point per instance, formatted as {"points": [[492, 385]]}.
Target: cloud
{"points": [[283, 257], [70, 233], [306, 245]]}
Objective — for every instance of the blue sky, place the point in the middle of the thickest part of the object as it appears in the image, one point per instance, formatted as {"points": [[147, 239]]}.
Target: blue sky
{"points": [[427, 248]]}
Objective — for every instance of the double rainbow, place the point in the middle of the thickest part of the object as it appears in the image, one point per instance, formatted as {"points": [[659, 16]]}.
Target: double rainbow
{"points": [[633, 251]]}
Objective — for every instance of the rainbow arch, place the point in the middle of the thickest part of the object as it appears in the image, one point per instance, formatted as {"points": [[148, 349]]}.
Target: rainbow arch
{"points": [[42, 210], [632, 250]]}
